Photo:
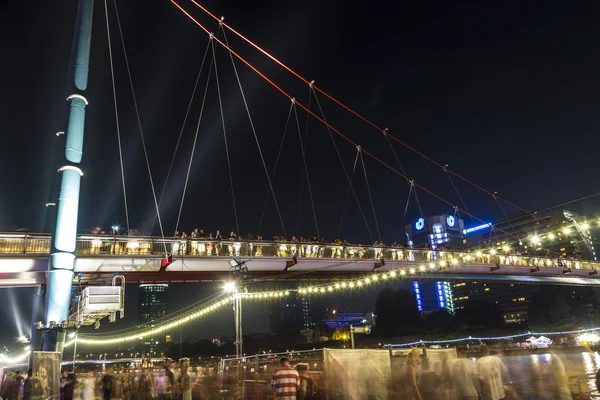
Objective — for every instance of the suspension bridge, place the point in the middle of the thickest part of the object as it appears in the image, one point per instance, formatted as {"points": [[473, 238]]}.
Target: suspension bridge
{"points": [[23, 262], [91, 259]]}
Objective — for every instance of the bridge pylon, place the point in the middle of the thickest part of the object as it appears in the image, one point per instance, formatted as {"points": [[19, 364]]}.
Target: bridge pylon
{"points": [[62, 254]]}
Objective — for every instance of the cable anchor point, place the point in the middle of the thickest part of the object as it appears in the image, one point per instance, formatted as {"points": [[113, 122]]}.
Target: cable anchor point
{"points": [[293, 99], [211, 36], [221, 21], [445, 168], [311, 84], [385, 132], [358, 148]]}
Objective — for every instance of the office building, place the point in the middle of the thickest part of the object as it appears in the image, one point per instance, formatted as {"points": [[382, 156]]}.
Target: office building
{"points": [[291, 314], [434, 232], [513, 299], [153, 306]]}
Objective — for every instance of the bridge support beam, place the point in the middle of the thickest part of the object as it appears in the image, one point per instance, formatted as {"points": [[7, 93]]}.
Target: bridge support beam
{"points": [[62, 253]]}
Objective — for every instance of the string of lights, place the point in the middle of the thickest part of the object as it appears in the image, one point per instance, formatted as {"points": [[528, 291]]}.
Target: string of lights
{"points": [[155, 330], [416, 270], [183, 320], [4, 360], [483, 339]]}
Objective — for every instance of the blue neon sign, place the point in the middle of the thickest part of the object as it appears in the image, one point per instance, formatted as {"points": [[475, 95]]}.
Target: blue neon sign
{"points": [[476, 228], [417, 290], [420, 224]]}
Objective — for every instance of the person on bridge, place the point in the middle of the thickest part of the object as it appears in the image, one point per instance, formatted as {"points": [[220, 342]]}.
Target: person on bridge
{"points": [[286, 381]]}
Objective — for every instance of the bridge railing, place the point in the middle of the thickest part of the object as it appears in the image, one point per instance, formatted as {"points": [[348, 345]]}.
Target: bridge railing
{"points": [[39, 244]]}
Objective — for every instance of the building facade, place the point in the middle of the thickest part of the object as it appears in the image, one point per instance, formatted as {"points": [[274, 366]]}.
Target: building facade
{"points": [[291, 314], [153, 305], [434, 233]]}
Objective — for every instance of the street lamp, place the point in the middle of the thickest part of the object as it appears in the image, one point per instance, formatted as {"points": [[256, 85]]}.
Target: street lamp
{"points": [[240, 270], [230, 287]]}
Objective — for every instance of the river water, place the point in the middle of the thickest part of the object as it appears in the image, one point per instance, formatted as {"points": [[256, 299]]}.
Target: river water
{"points": [[580, 369]]}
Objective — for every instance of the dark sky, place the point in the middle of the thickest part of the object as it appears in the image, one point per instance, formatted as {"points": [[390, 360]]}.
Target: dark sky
{"points": [[504, 92]]}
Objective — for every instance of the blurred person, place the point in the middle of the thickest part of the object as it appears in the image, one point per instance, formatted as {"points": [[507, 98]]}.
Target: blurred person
{"points": [[286, 381], [460, 375], [64, 375], [89, 386], [12, 387], [306, 388], [490, 369], [558, 381], [184, 381], [28, 385], [69, 388], [145, 386], [125, 386], [430, 382], [107, 385], [163, 385], [408, 376]]}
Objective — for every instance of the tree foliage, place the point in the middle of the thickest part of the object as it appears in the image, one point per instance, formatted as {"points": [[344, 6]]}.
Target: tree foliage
{"points": [[481, 313], [549, 306]]}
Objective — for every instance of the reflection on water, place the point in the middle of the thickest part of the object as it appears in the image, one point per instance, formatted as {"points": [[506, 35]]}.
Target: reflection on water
{"points": [[530, 373]]}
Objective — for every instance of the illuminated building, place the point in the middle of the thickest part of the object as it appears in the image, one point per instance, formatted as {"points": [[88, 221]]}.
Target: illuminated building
{"points": [[512, 299], [345, 319], [153, 306], [291, 314], [434, 232]]}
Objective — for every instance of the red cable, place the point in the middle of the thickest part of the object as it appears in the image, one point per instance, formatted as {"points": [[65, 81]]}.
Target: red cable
{"points": [[329, 126], [352, 111]]}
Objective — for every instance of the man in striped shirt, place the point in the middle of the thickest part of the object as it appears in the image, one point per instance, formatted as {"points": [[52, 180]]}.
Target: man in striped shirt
{"points": [[285, 381]]}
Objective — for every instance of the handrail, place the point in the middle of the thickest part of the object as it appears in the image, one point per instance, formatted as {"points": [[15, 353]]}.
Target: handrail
{"points": [[90, 245]]}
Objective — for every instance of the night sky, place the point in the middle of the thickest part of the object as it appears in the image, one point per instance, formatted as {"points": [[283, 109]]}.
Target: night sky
{"points": [[505, 93]]}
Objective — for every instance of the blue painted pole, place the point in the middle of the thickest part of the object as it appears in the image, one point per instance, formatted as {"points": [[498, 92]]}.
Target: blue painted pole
{"points": [[62, 255]]}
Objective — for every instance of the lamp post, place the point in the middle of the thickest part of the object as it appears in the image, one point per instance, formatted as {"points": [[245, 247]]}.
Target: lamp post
{"points": [[237, 315], [74, 336], [240, 270]]}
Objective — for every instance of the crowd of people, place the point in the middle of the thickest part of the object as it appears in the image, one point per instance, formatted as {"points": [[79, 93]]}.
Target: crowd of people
{"points": [[172, 381], [198, 241], [415, 377]]}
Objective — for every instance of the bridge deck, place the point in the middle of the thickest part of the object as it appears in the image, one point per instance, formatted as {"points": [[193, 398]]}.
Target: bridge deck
{"points": [[24, 260]]}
